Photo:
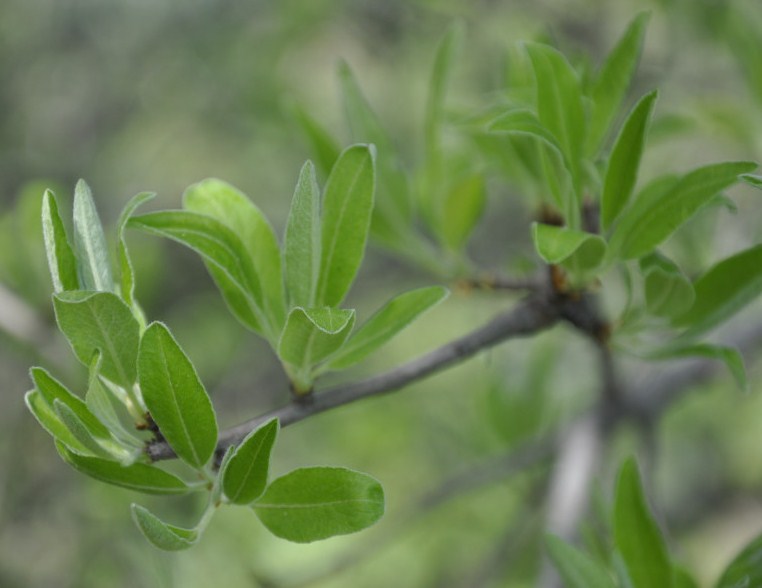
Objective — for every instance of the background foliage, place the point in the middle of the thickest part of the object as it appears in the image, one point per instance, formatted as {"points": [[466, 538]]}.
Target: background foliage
{"points": [[140, 96]]}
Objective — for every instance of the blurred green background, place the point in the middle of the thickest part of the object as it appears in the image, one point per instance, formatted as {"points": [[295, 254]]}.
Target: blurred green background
{"points": [[140, 95]]}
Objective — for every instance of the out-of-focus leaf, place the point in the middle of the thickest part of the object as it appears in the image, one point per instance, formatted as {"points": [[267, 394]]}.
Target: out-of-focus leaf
{"points": [[394, 316], [577, 569], [559, 244], [622, 169], [745, 571], [138, 476], [723, 290], [324, 147], [245, 476], [315, 503], [347, 206], [90, 243], [127, 277], [302, 246], [668, 292], [100, 320], [752, 179], [636, 534], [656, 214], [160, 534], [612, 82], [231, 207], [730, 356], [175, 397], [61, 260], [463, 207], [523, 122]]}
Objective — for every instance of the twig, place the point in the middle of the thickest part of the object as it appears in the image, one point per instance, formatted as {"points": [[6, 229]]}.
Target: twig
{"points": [[495, 282]]}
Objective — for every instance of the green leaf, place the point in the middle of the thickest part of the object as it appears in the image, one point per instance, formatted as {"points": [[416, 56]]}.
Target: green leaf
{"points": [[90, 243], [656, 214], [160, 534], [324, 147], [622, 169], [562, 245], [347, 206], [302, 246], [668, 292], [682, 579], [577, 569], [730, 356], [231, 207], [100, 320], [559, 100], [127, 275], [523, 122], [612, 82], [61, 260], [463, 207], [723, 290], [385, 324], [636, 534], [745, 571], [97, 446], [226, 257], [752, 179], [315, 503], [310, 336], [175, 397], [138, 476], [245, 476], [49, 421]]}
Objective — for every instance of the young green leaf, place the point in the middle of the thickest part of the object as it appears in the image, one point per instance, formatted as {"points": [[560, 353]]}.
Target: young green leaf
{"points": [[347, 206], [683, 579], [668, 292], [523, 122], [612, 82], [245, 475], [559, 101], [100, 320], [227, 260], [723, 290], [577, 569], [385, 324], [311, 335], [103, 447], [138, 476], [622, 169], [90, 243], [61, 260], [752, 179], [236, 211], [559, 244], [302, 243], [730, 356], [175, 397], [160, 534], [323, 146], [127, 275], [49, 421], [636, 534], [745, 569], [315, 503], [463, 207], [656, 214]]}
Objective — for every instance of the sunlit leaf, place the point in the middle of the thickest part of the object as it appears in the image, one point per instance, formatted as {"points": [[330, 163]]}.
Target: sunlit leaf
{"points": [[90, 243], [61, 260], [245, 476]]}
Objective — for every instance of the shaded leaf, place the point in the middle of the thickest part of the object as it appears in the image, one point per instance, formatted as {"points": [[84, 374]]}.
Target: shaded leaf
{"points": [[315, 503], [90, 243], [97, 446], [49, 421], [245, 476], [61, 260], [752, 180], [577, 569], [127, 275], [730, 356], [324, 147], [463, 207], [668, 292], [558, 244], [160, 534], [745, 571], [175, 397]]}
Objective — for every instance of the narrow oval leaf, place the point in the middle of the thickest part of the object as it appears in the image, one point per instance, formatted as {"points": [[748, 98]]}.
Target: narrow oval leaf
{"points": [[723, 290], [97, 446], [347, 206], [745, 570], [524, 122], [127, 275], [463, 207], [668, 292], [577, 569], [90, 243], [226, 257], [324, 147], [650, 220], [138, 476], [302, 243], [636, 534], [61, 260], [558, 244], [175, 397], [49, 421], [385, 324], [245, 475], [235, 210], [315, 503], [752, 179], [612, 82], [622, 169], [160, 534], [100, 321]]}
